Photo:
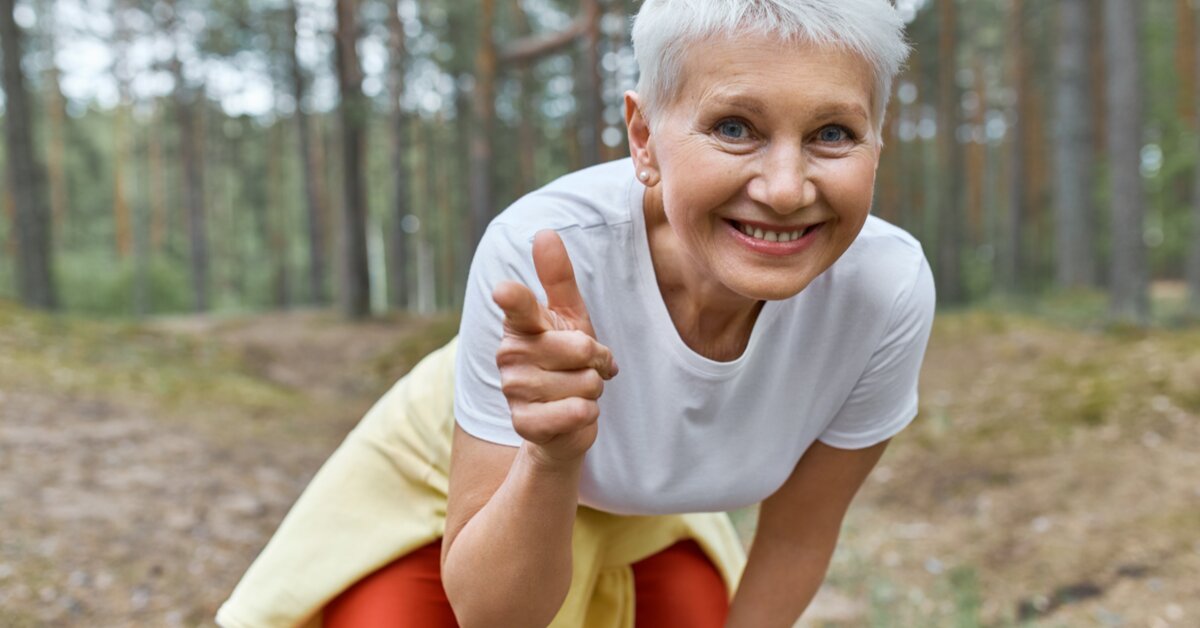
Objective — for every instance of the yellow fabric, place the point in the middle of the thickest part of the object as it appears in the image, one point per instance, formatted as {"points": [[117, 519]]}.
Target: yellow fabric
{"points": [[382, 494]]}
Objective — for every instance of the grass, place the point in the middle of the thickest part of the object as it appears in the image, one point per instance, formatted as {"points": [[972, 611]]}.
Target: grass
{"points": [[81, 357]]}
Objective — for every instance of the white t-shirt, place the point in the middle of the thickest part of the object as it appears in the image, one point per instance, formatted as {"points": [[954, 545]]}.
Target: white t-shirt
{"points": [[679, 432]]}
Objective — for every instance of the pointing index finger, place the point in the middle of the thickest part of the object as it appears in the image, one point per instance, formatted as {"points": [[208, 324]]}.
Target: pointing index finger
{"points": [[522, 312]]}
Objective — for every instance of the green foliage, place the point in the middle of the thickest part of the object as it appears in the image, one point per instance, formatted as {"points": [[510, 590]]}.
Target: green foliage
{"points": [[99, 285]]}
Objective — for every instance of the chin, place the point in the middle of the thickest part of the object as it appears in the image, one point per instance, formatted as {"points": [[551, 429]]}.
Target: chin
{"points": [[769, 290]]}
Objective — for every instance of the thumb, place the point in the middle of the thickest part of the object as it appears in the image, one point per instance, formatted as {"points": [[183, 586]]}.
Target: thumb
{"points": [[557, 275]]}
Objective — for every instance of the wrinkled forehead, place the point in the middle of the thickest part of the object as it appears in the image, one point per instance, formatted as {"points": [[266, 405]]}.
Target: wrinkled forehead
{"points": [[736, 62]]}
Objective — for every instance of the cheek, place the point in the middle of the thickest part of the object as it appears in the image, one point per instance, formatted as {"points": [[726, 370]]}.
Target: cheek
{"points": [[849, 187]]}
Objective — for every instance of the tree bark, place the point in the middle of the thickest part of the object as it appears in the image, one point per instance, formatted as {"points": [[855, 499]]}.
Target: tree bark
{"points": [[157, 183], [1075, 264], [35, 275], [1012, 257], [1130, 282], [976, 159], [526, 133], [950, 236], [398, 259], [123, 243], [317, 265], [276, 225], [1193, 261], [590, 84], [56, 112], [484, 107], [193, 189], [355, 293]]}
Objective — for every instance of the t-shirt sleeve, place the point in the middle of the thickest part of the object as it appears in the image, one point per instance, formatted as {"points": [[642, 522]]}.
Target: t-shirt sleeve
{"points": [[480, 407], [884, 399]]}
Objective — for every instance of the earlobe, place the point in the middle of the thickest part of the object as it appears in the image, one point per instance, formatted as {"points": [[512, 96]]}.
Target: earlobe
{"points": [[641, 145]]}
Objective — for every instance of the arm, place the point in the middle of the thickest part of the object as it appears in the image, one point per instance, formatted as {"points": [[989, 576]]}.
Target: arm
{"points": [[508, 534], [506, 554], [798, 529]]}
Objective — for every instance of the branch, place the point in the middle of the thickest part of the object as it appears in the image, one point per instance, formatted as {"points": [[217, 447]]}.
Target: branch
{"points": [[530, 48]]}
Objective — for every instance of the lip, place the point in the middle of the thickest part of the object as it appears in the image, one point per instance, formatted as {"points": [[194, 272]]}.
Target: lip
{"points": [[779, 249]]}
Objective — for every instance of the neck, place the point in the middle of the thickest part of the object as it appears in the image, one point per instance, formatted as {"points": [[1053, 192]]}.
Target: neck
{"points": [[711, 319]]}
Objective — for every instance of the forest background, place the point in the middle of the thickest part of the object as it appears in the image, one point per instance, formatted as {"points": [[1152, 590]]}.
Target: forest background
{"points": [[266, 209]]}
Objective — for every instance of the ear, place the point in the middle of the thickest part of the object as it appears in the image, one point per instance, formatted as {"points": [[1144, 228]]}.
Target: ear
{"points": [[641, 145]]}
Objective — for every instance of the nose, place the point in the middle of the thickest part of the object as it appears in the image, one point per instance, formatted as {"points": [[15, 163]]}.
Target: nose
{"points": [[783, 182]]}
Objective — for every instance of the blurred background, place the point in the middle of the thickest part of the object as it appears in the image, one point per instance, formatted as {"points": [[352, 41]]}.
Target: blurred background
{"points": [[228, 226]]}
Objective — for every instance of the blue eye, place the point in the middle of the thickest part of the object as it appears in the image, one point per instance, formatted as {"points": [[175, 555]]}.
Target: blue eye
{"points": [[733, 129], [833, 134]]}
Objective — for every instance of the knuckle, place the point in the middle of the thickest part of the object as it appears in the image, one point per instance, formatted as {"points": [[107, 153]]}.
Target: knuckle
{"points": [[584, 411], [512, 351], [520, 417], [580, 345], [511, 387], [595, 384], [518, 382]]}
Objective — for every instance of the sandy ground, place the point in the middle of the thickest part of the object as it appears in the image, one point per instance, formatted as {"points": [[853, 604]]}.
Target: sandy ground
{"points": [[1053, 478]]}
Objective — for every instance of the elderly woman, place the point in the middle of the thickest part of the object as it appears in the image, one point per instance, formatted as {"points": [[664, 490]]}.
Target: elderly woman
{"points": [[768, 332]]}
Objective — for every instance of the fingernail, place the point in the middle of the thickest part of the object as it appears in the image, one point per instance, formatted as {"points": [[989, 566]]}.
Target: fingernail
{"points": [[613, 368]]}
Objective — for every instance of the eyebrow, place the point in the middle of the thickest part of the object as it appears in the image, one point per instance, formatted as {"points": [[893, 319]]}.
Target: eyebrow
{"points": [[748, 103], [825, 112], [841, 109]]}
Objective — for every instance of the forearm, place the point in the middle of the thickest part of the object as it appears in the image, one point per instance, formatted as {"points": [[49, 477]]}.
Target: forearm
{"points": [[798, 531], [510, 564], [778, 586]]}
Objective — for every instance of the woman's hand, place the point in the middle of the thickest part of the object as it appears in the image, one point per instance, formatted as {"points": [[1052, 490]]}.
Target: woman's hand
{"points": [[552, 369]]}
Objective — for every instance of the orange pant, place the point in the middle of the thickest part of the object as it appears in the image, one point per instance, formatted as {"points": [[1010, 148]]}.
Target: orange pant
{"points": [[678, 586]]}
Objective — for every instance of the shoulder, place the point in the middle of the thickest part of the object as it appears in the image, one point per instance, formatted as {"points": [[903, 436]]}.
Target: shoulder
{"points": [[884, 270], [598, 196]]}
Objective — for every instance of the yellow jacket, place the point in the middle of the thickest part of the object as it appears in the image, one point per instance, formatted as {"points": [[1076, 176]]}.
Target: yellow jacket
{"points": [[382, 494]]}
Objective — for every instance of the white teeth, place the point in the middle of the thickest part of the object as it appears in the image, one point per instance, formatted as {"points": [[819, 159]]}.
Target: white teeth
{"points": [[772, 236]]}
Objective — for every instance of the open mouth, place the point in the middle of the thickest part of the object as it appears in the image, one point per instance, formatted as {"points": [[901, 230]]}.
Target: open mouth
{"points": [[765, 235]]}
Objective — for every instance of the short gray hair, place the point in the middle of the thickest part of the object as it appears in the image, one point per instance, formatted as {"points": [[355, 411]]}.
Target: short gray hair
{"points": [[664, 29]]}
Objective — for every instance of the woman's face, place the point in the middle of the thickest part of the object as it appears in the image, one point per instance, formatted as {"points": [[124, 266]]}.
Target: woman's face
{"points": [[764, 164]]}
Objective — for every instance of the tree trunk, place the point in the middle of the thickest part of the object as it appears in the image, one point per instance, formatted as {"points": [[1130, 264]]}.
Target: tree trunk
{"points": [[35, 274], [1011, 259], [355, 293], [526, 132], [484, 107], [276, 213], [398, 257], [887, 178], [1130, 283], [56, 112], [1181, 181], [193, 189], [590, 85], [1193, 263], [950, 236], [123, 243], [123, 239], [1074, 239], [310, 175], [977, 157], [141, 229], [157, 183]]}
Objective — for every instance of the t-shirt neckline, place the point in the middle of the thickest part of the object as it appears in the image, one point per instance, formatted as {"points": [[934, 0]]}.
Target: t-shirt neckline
{"points": [[659, 318]]}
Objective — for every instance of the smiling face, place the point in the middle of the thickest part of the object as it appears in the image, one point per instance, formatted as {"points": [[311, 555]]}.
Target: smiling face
{"points": [[763, 165]]}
